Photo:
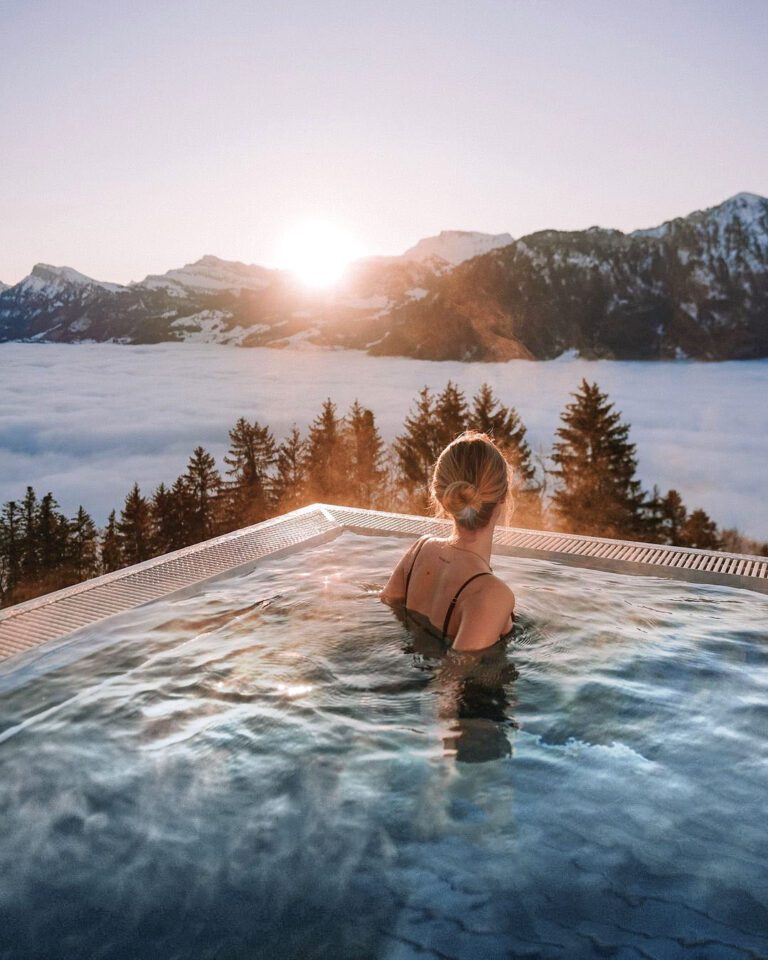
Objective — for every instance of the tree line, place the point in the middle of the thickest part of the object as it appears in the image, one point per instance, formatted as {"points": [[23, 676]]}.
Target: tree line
{"points": [[588, 485]]}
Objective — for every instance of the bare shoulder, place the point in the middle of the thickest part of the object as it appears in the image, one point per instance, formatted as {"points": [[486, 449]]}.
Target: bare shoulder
{"points": [[490, 590], [485, 614], [395, 587], [502, 591]]}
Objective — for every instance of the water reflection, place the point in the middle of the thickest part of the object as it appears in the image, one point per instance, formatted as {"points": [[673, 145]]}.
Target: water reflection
{"points": [[474, 692]]}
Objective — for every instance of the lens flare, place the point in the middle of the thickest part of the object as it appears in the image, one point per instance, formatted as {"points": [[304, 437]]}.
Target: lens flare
{"points": [[317, 252]]}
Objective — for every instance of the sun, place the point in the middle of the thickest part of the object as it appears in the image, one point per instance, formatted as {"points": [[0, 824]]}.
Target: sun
{"points": [[317, 252]]}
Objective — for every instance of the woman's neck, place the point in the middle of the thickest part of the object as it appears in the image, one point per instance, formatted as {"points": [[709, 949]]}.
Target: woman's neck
{"points": [[475, 541]]}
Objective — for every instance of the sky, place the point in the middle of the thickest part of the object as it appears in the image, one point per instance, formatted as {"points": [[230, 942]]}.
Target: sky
{"points": [[138, 137]]}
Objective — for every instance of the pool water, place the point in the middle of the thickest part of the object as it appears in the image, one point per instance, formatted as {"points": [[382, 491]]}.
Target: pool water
{"points": [[273, 767]]}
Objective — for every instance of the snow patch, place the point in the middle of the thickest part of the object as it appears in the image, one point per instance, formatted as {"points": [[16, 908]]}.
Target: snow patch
{"points": [[50, 281], [747, 210], [656, 232], [375, 302], [300, 340], [573, 258], [210, 274], [456, 246], [204, 327]]}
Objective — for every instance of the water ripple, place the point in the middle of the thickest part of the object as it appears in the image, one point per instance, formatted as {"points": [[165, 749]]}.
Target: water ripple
{"points": [[271, 768]]}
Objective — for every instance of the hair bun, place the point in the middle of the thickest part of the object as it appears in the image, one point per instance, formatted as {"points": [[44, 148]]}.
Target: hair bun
{"points": [[469, 479], [462, 499]]}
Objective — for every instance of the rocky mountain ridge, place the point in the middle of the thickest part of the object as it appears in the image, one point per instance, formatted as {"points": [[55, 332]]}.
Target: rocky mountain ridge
{"points": [[693, 287]]}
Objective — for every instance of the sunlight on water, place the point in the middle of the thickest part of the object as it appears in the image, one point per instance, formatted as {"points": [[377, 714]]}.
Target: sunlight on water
{"points": [[275, 768]]}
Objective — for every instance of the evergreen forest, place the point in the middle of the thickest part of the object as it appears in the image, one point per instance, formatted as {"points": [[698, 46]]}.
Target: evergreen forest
{"points": [[587, 484]]}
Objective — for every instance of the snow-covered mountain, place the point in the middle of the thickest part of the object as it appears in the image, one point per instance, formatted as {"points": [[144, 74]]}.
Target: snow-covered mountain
{"points": [[695, 286], [455, 246], [210, 274], [210, 300], [46, 280], [3, 286], [53, 303], [724, 224]]}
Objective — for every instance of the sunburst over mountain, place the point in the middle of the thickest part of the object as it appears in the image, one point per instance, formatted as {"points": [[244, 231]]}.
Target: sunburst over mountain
{"points": [[695, 286]]}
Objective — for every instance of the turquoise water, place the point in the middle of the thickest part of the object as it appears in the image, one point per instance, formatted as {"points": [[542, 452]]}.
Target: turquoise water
{"points": [[275, 768]]}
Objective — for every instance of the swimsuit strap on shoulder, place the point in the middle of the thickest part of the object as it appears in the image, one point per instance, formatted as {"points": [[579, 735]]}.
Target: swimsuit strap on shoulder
{"points": [[466, 583], [410, 569]]}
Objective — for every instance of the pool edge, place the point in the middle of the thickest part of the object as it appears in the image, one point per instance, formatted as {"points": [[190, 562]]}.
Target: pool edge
{"points": [[57, 615]]}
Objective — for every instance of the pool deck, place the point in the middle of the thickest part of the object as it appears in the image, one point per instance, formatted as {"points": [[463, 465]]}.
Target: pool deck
{"points": [[57, 615]]}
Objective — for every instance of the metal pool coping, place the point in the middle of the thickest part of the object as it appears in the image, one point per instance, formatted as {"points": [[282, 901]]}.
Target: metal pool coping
{"points": [[56, 615]]}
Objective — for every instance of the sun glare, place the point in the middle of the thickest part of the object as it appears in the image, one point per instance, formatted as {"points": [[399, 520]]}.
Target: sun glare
{"points": [[317, 252]]}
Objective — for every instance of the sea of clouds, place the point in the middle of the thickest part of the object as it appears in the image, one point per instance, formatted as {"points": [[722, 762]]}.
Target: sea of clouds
{"points": [[87, 420]]}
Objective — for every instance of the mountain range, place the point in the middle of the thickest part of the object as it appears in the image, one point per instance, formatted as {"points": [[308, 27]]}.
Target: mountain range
{"points": [[694, 287]]}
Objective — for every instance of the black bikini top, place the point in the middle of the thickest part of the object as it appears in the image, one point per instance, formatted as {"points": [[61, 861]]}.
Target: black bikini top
{"points": [[452, 604]]}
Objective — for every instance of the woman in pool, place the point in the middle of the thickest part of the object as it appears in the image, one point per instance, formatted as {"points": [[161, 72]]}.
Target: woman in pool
{"points": [[446, 586]]}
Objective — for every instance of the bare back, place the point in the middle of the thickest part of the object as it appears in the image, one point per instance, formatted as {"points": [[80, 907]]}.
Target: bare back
{"points": [[455, 592]]}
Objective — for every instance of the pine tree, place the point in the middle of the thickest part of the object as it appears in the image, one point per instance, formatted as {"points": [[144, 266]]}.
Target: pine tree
{"points": [[134, 528], [252, 454], [289, 488], [451, 414], [326, 457], [234, 509], [30, 556], [83, 551], [164, 520], [595, 464], [366, 458], [11, 548], [109, 547], [504, 426], [700, 531], [52, 534], [417, 449], [182, 524], [204, 483], [668, 515], [654, 517]]}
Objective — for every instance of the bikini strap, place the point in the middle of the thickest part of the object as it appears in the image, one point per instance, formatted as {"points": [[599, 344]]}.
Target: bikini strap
{"points": [[466, 583], [410, 569]]}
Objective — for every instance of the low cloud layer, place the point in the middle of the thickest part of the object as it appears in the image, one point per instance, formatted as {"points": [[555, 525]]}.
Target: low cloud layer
{"points": [[86, 421]]}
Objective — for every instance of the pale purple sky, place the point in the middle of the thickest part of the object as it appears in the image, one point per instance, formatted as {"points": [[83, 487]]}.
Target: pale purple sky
{"points": [[135, 137]]}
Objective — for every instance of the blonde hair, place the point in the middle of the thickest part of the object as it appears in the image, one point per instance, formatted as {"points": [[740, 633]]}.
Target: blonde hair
{"points": [[469, 479]]}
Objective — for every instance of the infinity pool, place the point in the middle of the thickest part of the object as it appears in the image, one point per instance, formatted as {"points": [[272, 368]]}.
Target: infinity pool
{"points": [[273, 767]]}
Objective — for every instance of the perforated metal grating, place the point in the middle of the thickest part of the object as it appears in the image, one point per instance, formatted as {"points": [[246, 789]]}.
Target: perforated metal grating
{"points": [[56, 615], [684, 563]]}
